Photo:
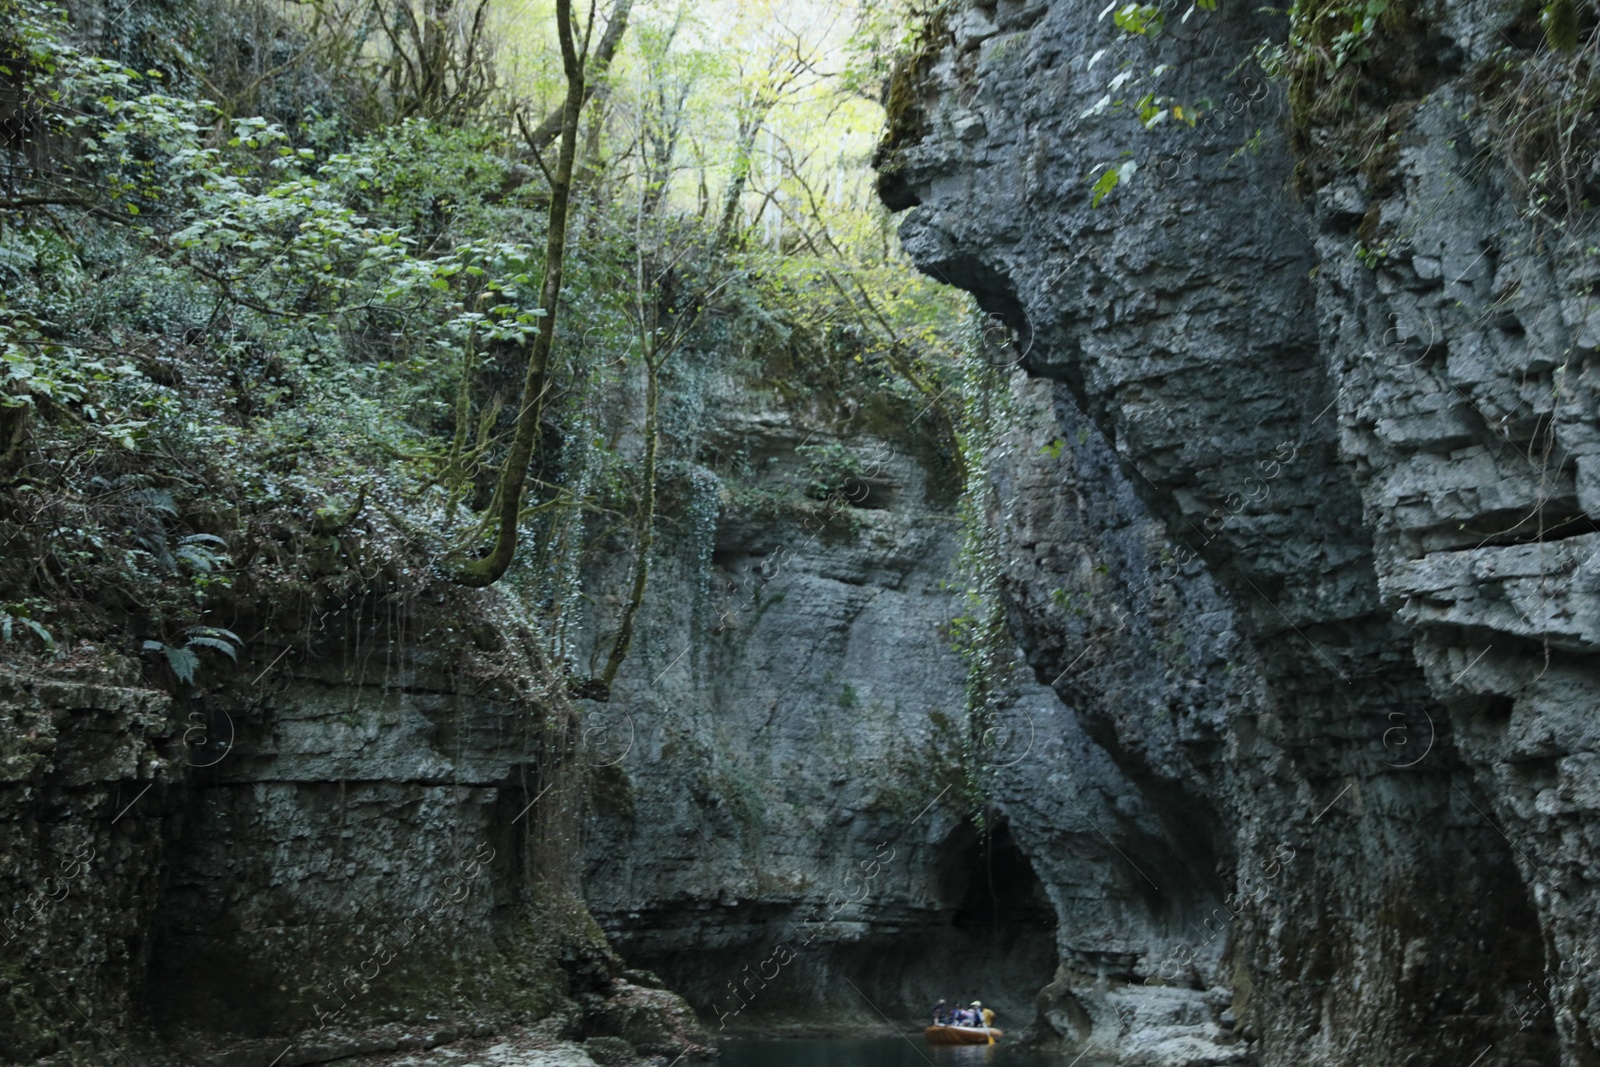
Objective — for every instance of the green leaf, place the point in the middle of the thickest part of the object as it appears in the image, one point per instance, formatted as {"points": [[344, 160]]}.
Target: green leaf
{"points": [[40, 632], [8, 622], [1139, 19], [215, 631], [1103, 185], [182, 661], [213, 643], [202, 559]]}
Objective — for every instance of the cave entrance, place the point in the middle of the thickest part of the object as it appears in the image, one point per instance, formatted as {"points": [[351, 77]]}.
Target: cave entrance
{"points": [[991, 937], [988, 883], [979, 926]]}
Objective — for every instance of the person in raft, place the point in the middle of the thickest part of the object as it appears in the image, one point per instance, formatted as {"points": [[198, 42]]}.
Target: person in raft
{"points": [[941, 1013], [985, 1019]]}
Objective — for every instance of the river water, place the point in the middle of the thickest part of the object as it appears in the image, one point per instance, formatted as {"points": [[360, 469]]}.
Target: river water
{"points": [[907, 1051]]}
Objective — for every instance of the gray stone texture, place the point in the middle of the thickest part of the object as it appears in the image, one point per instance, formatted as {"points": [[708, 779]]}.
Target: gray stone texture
{"points": [[1383, 466]]}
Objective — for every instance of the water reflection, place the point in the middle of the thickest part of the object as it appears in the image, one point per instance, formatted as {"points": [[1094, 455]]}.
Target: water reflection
{"points": [[906, 1051]]}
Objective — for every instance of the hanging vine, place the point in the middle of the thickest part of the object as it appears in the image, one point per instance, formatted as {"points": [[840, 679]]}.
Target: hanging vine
{"points": [[981, 634]]}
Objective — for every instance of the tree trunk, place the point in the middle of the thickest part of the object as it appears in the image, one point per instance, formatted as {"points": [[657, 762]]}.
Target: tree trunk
{"points": [[551, 128], [514, 475], [647, 522], [734, 193]]}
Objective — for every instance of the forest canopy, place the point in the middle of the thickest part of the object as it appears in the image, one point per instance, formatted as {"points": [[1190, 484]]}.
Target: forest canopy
{"points": [[300, 299]]}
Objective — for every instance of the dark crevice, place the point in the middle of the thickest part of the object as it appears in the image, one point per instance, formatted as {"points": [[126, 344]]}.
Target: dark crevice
{"points": [[1505, 529]]}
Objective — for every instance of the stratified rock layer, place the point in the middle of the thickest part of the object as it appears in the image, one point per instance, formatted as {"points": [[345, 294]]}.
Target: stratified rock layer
{"points": [[1376, 467], [782, 832]]}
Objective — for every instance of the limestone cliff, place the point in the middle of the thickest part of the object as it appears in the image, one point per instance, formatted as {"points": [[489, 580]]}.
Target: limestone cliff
{"points": [[363, 842], [1293, 479], [787, 816], [1346, 411]]}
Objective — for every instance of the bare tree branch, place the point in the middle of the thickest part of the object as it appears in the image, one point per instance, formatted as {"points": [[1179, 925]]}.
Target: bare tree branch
{"points": [[548, 130]]}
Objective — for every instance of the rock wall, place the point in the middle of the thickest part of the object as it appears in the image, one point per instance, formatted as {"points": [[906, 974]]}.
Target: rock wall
{"points": [[80, 872], [786, 825], [1372, 466], [1294, 764], [355, 854], [364, 841], [788, 834]]}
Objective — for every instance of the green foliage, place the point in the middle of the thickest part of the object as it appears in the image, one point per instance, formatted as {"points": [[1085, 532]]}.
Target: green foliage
{"points": [[1560, 21], [1140, 19], [1109, 179], [263, 332], [16, 620], [909, 64], [883, 33], [1352, 44], [128, 136], [831, 469], [195, 550], [1540, 117], [1067, 603], [246, 318], [1328, 41], [981, 634], [184, 660], [1371, 258], [219, 329], [1537, 110], [1130, 54]]}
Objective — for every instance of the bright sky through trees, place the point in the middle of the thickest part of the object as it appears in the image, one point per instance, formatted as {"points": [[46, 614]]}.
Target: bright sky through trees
{"points": [[785, 67]]}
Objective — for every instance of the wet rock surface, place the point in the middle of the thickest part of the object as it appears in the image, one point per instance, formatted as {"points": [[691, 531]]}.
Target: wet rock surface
{"points": [[79, 854]]}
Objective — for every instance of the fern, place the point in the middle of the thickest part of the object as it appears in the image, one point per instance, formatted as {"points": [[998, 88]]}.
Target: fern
{"points": [[157, 500], [193, 550], [215, 632], [184, 660], [8, 624]]}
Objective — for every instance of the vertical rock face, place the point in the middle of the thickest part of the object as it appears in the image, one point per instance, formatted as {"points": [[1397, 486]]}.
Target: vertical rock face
{"points": [[355, 854], [373, 828], [1374, 468], [1465, 354], [1298, 764], [785, 823], [75, 761], [782, 817]]}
